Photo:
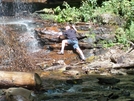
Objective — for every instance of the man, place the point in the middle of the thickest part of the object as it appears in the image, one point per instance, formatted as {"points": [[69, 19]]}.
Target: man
{"points": [[70, 34]]}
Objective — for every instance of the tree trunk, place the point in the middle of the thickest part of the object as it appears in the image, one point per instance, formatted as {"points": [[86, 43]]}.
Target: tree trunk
{"points": [[19, 79]]}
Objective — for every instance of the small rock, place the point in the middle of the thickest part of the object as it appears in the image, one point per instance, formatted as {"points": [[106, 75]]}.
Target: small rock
{"points": [[19, 94], [71, 72]]}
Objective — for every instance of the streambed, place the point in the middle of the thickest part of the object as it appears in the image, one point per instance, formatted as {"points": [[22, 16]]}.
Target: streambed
{"points": [[87, 88]]}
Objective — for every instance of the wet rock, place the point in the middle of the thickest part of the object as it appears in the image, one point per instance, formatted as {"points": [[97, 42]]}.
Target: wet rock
{"points": [[108, 80], [113, 96], [72, 72], [86, 45], [55, 67], [51, 30], [17, 94], [116, 59], [130, 72], [90, 58], [101, 32], [48, 34], [107, 37], [74, 81], [42, 65], [102, 98], [96, 65], [89, 40], [125, 93], [118, 71], [111, 19], [100, 51]]}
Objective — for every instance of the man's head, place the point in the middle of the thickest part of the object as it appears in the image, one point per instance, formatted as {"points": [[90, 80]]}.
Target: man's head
{"points": [[67, 27]]}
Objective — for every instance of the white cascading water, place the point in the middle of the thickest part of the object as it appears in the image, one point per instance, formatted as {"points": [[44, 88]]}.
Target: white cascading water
{"points": [[28, 36]]}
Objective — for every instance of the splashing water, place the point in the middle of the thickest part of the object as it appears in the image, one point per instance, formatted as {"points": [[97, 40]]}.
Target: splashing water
{"points": [[11, 14], [17, 36], [25, 30]]}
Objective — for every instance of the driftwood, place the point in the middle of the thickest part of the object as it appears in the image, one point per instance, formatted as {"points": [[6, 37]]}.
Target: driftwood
{"points": [[19, 79], [132, 47]]}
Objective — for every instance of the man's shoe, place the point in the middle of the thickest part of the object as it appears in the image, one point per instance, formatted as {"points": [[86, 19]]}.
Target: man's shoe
{"points": [[60, 53], [83, 59]]}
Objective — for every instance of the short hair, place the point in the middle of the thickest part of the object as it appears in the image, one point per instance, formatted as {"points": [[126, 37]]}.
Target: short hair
{"points": [[68, 27]]}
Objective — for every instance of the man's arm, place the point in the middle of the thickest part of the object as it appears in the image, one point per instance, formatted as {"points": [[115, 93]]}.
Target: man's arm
{"points": [[74, 28]]}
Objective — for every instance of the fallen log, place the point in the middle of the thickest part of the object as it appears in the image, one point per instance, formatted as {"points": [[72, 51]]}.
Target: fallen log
{"points": [[19, 79]]}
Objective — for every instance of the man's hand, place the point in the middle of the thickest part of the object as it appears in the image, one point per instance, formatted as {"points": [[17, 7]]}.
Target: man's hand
{"points": [[59, 34]]}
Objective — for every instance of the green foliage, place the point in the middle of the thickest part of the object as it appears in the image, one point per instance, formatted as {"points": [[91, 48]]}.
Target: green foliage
{"points": [[47, 16], [125, 35], [130, 32], [74, 14], [87, 9], [125, 9], [116, 6], [67, 14], [90, 35], [111, 6], [121, 36], [129, 15], [108, 43]]}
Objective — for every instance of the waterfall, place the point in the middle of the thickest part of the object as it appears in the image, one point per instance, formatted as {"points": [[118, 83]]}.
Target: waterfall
{"points": [[14, 7], [19, 6], [18, 40], [1, 8], [12, 14]]}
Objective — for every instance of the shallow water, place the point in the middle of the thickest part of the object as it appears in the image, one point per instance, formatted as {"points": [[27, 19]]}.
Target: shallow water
{"points": [[86, 88]]}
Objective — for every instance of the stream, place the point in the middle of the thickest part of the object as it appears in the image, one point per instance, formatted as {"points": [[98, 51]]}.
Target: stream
{"points": [[87, 88]]}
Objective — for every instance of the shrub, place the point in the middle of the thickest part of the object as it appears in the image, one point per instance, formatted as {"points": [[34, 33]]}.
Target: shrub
{"points": [[74, 14]]}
